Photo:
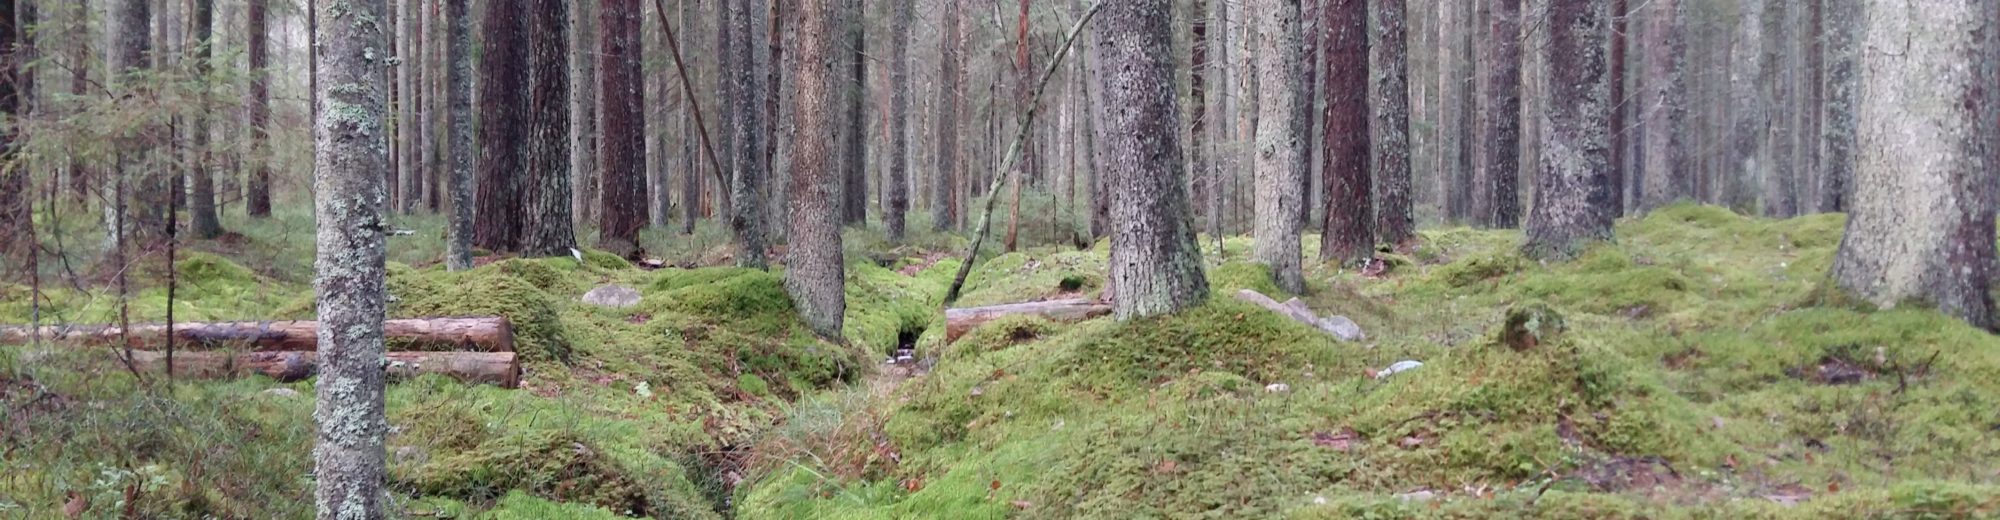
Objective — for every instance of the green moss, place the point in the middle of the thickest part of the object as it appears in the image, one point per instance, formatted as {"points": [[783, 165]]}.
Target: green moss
{"points": [[1022, 277], [488, 291], [522, 506], [746, 299], [1476, 269], [1236, 275], [554, 465], [1000, 333], [605, 260], [753, 384]]}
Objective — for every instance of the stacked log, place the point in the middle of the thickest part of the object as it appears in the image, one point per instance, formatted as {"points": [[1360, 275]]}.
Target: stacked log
{"points": [[474, 350]]}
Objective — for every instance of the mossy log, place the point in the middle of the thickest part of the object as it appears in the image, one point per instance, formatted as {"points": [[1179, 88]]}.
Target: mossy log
{"points": [[959, 321], [493, 368], [488, 334]]}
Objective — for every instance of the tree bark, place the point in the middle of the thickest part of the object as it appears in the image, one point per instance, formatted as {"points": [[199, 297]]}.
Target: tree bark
{"points": [[1921, 225], [1665, 173], [258, 197], [349, 156], [1281, 142], [421, 334], [1749, 106], [1843, 86], [944, 191], [548, 227], [655, 75], [202, 218], [1347, 235], [16, 199], [748, 128], [1200, 172], [814, 263], [1395, 218], [583, 112], [131, 55], [623, 198], [1621, 105], [1780, 194], [1573, 196], [503, 128], [854, 120], [898, 181], [1501, 155], [409, 82], [458, 137], [1155, 263]]}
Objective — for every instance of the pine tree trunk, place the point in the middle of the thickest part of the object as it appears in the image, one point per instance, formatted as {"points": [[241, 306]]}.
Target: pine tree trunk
{"points": [[350, 197], [1200, 172], [431, 114], [691, 166], [1780, 194], [1395, 219], [1155, 263], [202, 219], [1921, 224], [1281, 142], [1621, 106], [814, 264], [623, 198], [748, 129], [458, 137], [1843, 86], [1502, 132], [1309, 37], [655, 73], [1572, 197], [547, 225], [1749, 106], [409, 71], [854, 134], [1347, 236], [583, 108], [944, 191], [1665, 172], [503, 129], [898, 181]]}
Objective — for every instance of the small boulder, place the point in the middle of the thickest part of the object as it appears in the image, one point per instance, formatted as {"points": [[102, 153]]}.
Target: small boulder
{"points": [[1277, 388], [613, 296], [282, 392], [1342, 328]]}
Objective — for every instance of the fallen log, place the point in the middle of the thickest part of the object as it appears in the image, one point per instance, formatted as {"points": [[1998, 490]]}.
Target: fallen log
{"points": [[489, 334], [1339, 327], [493, 368], [959, 321]]}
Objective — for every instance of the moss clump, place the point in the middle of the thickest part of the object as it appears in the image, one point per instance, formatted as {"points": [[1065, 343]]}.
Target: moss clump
{"points": [[201, 269], [605, 260], [1225, 334], [1236, 275], [1476, 269], [522, 506], [671, 279], [554, 465], [541, 273], [1000, 333], [884, 306], [1021, 277], [747, 299], [538, 329], [1531, 325]]}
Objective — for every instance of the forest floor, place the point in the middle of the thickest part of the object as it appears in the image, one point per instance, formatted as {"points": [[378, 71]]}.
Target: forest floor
{"points": [[1697, 370]]}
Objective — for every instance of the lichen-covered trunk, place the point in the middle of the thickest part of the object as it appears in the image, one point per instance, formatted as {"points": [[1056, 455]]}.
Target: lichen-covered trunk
{"points": [[1780, 193], [854, 120], [1281, 141], [898, 188], [1921, 225], [350, 151], [814, 263], [1843, 86], [1621, 127], [503, 128], [944, 188], [547, 225], [1501, 134], [622, 146], [1395, 215], [1664, 176], [747, 130], [583, 131], [202, 219], [409, 80], [458, 133], [1155, 263], [1574, 186], [1749, 106], [1347, 235]]}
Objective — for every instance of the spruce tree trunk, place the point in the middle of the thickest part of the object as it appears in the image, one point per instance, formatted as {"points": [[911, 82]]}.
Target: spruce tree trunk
{"points": [[409, 74], [1395, 218], [1843, 86], [547, 225], [458, 137], [583, 107], [81, 174], [944, 191], [430, 114], [1502, 132], [854, 133], [202, 219], [1665, 173], [1155, 263], [655, 73], [1749, 106], [131, 49], [898, 181], [1921, 225], [1780, 194], [1281, 142], [1202, 174], [813, 265], [349, 154], [747, 127], [16, 199], [503, 128], [623, 198], [1573, 191], [1347, 236], [1621, 106]]}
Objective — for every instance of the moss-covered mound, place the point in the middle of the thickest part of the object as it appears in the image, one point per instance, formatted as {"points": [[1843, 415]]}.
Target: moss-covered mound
{"points": [[555, 465], [513, 289]]}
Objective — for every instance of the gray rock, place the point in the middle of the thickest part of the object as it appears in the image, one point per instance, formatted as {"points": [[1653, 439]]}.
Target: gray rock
{"points": [[1277, 388], [1421, 495], [613, 296], [1342, 328], [282, 392]]}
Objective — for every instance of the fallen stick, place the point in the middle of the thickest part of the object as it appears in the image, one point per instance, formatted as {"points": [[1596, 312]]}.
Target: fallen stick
{"points": [[425, 334], [959, 321], [493, 368]]}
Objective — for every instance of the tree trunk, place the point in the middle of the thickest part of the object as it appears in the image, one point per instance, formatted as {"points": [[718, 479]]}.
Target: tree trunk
{"points": [[1281, 142], [503, 129], [1843, 85], [1347, 235], [691, 180], [1780, 194], [583, 131], [623, 143], [898, 181], [1155, 263], [814, 264], [202, 219], [1749, 106], [547, 227], [409, 79], [1572, 199], [349, 197], [655, 74], [854, 120], [1665, 170], [1309, 35], [458, 137], [748, 129], [1200, 172], [1621, 105], [944, 191], [16, 198], [1502, 132], [431, 113], [1921, 224], [1395, 219]]}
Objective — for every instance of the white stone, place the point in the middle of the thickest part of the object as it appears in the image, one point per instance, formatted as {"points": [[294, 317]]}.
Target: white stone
{"points": [[613, 296]]}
